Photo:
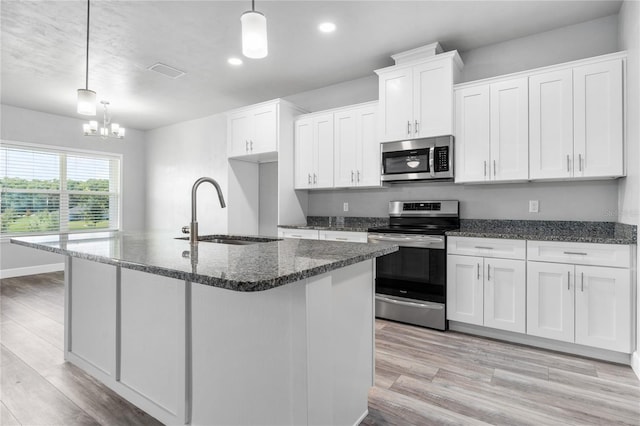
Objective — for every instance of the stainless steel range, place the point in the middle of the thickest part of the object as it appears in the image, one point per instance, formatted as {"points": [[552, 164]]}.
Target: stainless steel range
{"points": [[411, 283]]}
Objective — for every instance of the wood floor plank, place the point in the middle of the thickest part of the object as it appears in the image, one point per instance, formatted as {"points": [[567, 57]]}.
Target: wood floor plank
{"points": [[96, 399], [597, 384], [472, 404], [34, 351], [33, 400], [574, 398], [417, 412], [40, 325]]}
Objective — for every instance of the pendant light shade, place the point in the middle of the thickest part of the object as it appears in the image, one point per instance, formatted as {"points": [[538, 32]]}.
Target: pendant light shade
{"points": [[86, 102], [254, 34], [86, 97]]}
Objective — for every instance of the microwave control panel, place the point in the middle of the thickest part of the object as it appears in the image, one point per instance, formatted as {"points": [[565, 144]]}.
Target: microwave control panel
{"points": [[441, 158]]}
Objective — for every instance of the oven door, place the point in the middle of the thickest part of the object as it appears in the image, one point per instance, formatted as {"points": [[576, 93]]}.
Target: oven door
{"points": [[411, 283]]}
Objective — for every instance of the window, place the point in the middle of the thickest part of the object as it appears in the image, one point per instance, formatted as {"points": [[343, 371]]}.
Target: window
{"points": [[51, 190]]}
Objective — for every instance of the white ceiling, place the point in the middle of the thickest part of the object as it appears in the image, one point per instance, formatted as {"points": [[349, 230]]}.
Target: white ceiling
{"points": [[43, 48]]}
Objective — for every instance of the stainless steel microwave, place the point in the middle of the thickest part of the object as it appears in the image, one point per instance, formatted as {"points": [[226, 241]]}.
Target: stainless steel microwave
{"points": [[418, 159]]}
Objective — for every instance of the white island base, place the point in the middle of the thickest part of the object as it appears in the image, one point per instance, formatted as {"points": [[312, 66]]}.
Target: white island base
{"points": [[186, 353]]}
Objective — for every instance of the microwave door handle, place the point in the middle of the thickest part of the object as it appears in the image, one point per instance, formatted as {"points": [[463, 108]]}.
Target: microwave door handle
{"points": [[431, 162]]}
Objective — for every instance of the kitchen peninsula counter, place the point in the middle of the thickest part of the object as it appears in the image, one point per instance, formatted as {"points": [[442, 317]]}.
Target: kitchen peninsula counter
{"points": [[278, 332]]}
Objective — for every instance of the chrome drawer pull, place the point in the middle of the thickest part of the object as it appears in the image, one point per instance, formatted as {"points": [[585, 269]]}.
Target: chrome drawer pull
{"points": [[575, 252], [582, 281], [478, 271], [342, 239], [568, 280], [483, 247]]}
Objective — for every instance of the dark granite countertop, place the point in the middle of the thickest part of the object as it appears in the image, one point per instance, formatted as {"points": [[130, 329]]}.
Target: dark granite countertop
{"points": [[338, 223], [254, 267], [542, 230]]}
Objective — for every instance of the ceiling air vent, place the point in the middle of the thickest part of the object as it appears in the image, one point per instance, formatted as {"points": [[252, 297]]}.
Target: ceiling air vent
{"points": [[166, 70]]}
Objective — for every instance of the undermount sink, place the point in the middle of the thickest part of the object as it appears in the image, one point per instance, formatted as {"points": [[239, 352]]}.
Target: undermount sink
{"points": [[238, 240]]}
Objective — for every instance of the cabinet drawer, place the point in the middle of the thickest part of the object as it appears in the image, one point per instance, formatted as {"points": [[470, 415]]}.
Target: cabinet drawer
{"points": [[308, 234], [487, 247], [349, 236], [613, 255]]}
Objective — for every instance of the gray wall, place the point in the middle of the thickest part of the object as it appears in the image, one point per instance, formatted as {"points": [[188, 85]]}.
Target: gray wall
{"points": [[594, 200], [177, 155], [268, 199], [22, 125]]}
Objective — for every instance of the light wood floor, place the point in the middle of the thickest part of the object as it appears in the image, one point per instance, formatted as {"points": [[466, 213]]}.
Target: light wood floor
{"points": [[423, 377]]}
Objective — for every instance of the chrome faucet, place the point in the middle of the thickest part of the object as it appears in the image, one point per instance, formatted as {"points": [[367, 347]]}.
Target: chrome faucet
{"points": [[193, 228]]}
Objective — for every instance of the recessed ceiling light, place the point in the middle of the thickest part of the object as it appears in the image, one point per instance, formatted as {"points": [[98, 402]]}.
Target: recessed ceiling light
{"points": [[327, 27], [235, 61]]}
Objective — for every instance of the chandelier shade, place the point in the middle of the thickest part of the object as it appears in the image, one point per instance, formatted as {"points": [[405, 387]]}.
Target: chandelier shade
{"points": [[254, 34]]}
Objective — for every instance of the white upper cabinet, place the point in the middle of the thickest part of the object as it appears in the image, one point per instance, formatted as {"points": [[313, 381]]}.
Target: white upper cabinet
{"points": [[576, 122], [509, 130], [551, 125], [357, 150], [492, 132], [597, 123], [416, 99], [314, 151], [253, 131]]}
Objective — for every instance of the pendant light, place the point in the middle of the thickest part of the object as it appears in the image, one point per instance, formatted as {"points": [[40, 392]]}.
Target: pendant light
{"points": [[86, 97], [254, 33]]}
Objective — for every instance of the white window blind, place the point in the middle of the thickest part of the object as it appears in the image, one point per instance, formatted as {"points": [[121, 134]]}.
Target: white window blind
{"points": [[48, 190]]}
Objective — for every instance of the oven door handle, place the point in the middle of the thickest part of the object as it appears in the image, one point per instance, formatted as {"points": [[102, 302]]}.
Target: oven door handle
{"points": [[405, 239], [412, 304]]}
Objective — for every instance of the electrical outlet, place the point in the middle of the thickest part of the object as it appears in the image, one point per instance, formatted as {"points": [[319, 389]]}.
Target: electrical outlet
{"points": [[345, 207], [533, 206]]}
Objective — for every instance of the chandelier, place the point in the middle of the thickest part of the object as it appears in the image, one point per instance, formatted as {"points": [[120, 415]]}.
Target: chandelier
{"points": [[108, 129]]}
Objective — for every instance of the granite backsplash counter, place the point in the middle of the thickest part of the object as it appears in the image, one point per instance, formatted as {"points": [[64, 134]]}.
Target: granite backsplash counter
{"points": [[542, 230], [340, 223], [253, 267]]}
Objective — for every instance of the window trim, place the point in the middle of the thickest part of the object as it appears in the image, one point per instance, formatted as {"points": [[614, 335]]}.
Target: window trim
{"points": [[63, 192]]}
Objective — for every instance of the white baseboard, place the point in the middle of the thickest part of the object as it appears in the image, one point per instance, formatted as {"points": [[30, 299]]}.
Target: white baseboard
{"points": [[635, 363], [31, 270]]}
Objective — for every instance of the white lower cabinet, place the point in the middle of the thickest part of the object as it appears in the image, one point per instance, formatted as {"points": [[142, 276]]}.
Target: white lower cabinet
{"points": [[588, 305], [486, 290], [303, 234], [345, 236]]}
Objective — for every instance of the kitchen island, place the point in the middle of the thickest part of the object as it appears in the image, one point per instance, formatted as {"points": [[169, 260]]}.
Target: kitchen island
{"points": [[273, 332]]}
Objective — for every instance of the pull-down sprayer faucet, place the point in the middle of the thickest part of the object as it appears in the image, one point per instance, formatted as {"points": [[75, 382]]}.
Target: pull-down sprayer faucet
{"points": [[193, 228]]}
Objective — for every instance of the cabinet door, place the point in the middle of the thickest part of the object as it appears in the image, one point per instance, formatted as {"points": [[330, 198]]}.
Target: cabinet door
{"points": [[346, 148], [550, 304], [396, 105], [433, 99], [509, 133], [239, 125], [264, 137], [505, 294], [465, 289], [322, 175], [597, 91], [603, 308], [551, 125], [368, 158], [472, 134], [303, 153]]}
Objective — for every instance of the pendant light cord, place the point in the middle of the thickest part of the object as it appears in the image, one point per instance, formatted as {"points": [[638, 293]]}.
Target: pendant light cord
{"points": [[253, 5], [87, 63]]}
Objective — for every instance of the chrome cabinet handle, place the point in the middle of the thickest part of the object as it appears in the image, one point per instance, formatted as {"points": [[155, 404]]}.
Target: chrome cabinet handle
{"points": [[315, 178], [485, 168], [568, 280], [494, 168], [246, 146], [342, 239], [484, 247], [296, 236], [579, 162], [478, 271], [351, 176], [488, 272], [309, 178], [432, 162], [416, 128], [358, 176], [408, 128], [568, 167], [251, 145], [581, 281], [575, 252]]}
